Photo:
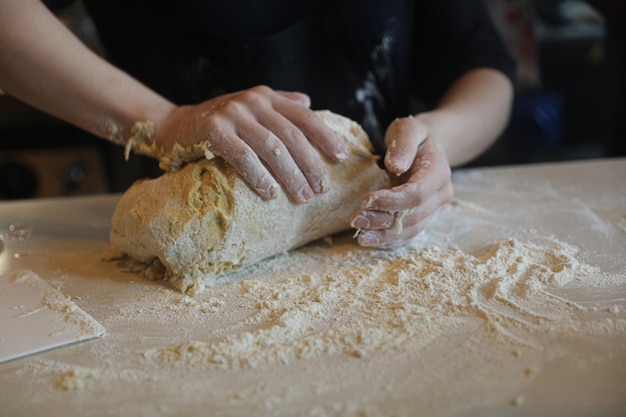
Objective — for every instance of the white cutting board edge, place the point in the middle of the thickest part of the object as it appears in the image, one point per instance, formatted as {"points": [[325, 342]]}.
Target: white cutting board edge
{"points": [[34, 317]]}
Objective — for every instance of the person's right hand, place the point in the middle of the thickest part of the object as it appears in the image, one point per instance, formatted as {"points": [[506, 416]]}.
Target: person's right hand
{"points": [[266, 135]]}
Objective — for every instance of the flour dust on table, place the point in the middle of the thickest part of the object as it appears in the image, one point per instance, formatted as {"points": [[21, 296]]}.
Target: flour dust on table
{"points": [[373, 301]]}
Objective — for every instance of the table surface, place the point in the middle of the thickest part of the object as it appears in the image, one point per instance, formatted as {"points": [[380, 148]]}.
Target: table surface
{"points": [[580, 203]]}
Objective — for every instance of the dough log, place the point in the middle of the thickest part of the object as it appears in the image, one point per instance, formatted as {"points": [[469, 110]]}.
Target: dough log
{"points": [[202, 221]]}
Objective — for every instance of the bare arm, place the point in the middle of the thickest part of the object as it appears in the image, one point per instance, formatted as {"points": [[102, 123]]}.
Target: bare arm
{"points": [[471, 115], [45, 65]]}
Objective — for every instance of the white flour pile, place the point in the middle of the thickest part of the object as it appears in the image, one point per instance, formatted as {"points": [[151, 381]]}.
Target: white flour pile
{"points": [[343, 300]]}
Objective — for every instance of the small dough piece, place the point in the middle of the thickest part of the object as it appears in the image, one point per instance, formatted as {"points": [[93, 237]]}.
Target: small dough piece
{"points": [[205, 220]]}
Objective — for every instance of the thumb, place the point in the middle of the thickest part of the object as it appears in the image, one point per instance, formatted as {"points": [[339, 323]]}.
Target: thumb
{"points": [[403, 138]]}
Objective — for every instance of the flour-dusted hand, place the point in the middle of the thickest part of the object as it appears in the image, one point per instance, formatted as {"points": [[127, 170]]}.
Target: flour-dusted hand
{"points": [[421, 151], [270, 137], [394, 216]]}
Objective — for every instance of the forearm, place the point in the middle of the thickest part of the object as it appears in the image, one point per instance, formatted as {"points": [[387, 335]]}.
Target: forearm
{"points": [[45, 65], [471, 115]]}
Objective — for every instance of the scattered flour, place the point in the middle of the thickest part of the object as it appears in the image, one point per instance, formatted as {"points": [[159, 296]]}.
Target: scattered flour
{"points": [[372, 301], [333, 329]]}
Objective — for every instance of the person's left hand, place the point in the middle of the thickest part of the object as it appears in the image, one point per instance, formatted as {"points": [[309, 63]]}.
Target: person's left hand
{"points": [[392, 217]]}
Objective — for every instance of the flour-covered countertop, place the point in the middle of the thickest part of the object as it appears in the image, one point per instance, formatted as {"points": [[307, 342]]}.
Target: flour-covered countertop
{"points": [[512, 302]]}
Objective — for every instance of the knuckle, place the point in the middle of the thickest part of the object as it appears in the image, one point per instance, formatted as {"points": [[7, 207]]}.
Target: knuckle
{"points": [[215, 129], [229, 108], [261, 89], [293, 135], [274, 146], [272, 140], [309, 117], [248, 95], [416, 194], [213, 123], [395, 126], [256, 94], [246, 156], [247, 161]]}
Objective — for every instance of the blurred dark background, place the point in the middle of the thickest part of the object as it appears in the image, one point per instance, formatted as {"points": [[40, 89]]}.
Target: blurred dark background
{"points": [[570, 103], [570, 96]]}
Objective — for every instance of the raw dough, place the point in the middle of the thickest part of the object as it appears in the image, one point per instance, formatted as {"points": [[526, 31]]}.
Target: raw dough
{"points": [[195, 224]]}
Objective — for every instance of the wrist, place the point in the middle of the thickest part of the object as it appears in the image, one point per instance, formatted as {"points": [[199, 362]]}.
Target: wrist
{"points": [[168, 126], [432, 120], [453, 132], [119, 127]]}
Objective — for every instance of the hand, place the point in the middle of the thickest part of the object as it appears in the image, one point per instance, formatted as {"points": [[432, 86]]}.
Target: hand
{"points": [[265, 135], [392, 217]]}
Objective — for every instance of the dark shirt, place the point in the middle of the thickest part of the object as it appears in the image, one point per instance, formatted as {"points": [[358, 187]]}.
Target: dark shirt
{"points": [[360, 58]]}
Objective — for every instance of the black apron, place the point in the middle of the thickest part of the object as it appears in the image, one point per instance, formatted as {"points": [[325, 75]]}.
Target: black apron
{"points": [[349, 56]]}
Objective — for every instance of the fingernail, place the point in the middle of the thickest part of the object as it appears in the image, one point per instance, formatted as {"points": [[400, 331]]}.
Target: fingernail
{"points": [[399, 164], [272, 191], [305, 194], [368, 203], [321, 186], [341, 156], [368, 239], [360, 222]]}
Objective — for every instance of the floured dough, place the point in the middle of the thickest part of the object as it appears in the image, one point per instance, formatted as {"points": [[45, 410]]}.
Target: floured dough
{"points": [[204, 220]]}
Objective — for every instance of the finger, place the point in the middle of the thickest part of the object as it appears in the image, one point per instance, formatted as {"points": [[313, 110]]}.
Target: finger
{"points": [[378, 220], [430, 173], [410, 225], [300, 98], [226, 143], [403, 138], [389, 239], [273, 152], [306, 157], [314, 128], [367, 219]]}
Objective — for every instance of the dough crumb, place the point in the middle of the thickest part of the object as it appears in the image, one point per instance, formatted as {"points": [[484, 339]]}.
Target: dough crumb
{"points": [[517, 401], [75, 379]]}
